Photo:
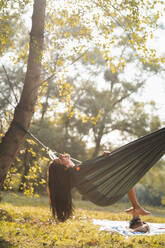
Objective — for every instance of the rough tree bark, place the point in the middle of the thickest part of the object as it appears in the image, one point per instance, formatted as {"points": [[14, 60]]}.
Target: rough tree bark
{"points": [[14, 138]]}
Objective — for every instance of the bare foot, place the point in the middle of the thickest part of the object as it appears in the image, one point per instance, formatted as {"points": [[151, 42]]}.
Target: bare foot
{"points": [[137, 211]]}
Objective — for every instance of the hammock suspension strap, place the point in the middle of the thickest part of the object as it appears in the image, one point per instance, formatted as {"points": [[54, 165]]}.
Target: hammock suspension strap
{"points": [[52, 153]]}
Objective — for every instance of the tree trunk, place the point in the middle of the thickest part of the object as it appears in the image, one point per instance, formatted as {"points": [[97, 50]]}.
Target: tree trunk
{"points": [[45, 105], [98, 141], [26, 169], [14, 138]]}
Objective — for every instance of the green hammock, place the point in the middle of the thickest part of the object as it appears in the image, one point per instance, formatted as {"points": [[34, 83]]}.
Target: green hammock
{"points": [[107, 179]]}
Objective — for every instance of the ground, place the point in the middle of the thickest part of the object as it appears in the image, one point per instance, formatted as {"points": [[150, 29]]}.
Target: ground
{"points": [[26, 222]]}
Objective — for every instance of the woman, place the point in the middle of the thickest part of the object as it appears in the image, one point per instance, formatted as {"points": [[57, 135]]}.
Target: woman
{"points": [[59, 187], [60, 183], [137, 225]]}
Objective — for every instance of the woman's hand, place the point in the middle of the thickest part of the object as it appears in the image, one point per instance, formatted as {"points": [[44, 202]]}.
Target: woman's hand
{"points": [[106, 153], [64, 159]]}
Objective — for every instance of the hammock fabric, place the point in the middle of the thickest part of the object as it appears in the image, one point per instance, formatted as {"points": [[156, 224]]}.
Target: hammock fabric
{"points": [[106, 179]]}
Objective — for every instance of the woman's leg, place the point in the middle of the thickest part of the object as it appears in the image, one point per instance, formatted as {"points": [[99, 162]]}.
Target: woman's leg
{"points": [[136, 209]]}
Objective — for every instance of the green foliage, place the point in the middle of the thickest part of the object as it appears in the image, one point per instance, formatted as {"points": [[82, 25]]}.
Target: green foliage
{"points": [[29, 172], [10, 12], [105, 36], [154, 184], [12, 180], [111, 107]]}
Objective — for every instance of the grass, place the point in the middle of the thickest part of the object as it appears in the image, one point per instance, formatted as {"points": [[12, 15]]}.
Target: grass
{"points": [[27, 222]]}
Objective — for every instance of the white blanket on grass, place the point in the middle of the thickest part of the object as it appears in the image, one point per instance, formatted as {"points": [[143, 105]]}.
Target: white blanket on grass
{"points": [[121, 227]]}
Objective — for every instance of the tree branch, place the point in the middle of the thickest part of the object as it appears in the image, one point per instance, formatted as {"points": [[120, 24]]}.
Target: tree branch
{"points": [[10, 84]]}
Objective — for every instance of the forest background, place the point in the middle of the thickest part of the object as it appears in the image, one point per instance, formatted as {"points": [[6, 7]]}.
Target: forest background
{"points": [[97, 59]]}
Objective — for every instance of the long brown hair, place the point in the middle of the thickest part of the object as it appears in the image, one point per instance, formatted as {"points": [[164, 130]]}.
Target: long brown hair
{"points": [[59, 190]]}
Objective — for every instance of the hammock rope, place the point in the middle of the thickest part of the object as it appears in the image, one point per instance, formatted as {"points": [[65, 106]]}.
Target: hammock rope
{"points": [[52, 153]]}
